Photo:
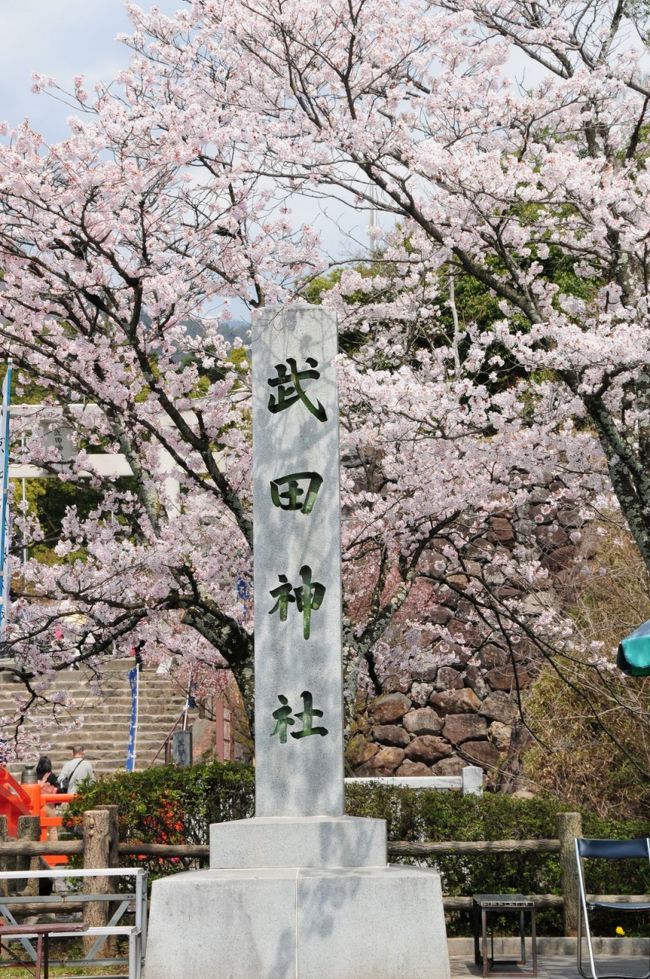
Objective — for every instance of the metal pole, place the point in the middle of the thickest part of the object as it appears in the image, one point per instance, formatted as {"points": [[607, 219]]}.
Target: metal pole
{"points": [[4, 502], [25, 554]]}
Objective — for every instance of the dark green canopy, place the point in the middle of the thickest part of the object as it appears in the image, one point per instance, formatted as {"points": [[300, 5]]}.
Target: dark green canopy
{"points": [[634, 652]]}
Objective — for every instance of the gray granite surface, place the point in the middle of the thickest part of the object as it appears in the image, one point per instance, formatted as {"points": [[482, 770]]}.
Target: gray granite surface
{"points": [[293, 841], [371, 923], [299, 759]]}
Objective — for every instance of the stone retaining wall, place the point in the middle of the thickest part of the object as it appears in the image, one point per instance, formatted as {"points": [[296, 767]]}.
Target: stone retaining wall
{"points": [[457, 702]]}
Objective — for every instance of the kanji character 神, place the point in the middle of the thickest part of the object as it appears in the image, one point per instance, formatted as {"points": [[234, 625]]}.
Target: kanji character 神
{"points": [[308, 597]]}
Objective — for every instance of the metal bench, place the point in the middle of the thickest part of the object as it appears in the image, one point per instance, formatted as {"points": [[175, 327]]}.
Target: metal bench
{"points": [[42, 934], [124, 901]]}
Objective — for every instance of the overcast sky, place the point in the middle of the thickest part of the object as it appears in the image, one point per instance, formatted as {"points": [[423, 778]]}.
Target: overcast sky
{"points": [[62, 38]]}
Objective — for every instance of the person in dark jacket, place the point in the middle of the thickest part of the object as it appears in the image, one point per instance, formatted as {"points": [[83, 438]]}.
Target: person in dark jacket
{"points": [[46, 777], [48, 783]]}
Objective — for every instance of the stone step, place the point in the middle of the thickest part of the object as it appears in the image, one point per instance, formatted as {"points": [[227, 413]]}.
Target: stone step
{"points": [[104, 720], [107, 713]]}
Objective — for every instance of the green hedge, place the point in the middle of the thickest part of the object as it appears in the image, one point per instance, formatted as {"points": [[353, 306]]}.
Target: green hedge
{"points": [[169, 805], [419, 815], [177, 805]]}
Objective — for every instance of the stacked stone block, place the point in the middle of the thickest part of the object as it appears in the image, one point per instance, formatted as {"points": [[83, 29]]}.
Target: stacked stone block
{"points": [[456, 700]]}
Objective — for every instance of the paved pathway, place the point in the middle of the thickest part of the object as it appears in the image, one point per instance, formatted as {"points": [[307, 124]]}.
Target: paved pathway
{"points": [[555, 967]]}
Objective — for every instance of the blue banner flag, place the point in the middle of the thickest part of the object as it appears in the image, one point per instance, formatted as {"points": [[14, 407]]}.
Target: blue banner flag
{"points": [[134, 682], [243, 593], [4, 501]]}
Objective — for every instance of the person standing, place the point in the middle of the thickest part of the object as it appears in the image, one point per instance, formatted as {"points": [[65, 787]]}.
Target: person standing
{"points": [[46, 777], [76, 769], [49, 784]]}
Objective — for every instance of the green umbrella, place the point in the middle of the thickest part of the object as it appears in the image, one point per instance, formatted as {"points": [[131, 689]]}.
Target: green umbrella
{"points": [[634, 652]]}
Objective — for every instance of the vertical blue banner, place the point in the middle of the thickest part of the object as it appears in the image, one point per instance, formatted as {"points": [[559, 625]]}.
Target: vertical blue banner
{"points": [[4, 501], [134, 683]]}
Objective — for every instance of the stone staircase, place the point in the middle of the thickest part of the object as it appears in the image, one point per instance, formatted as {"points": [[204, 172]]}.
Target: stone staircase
{"points": [[103, 714]]}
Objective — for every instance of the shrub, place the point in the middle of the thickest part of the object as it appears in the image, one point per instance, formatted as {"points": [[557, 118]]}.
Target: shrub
{"points": [[592, 723], [170, 805], [419, 815], [177, 805]]}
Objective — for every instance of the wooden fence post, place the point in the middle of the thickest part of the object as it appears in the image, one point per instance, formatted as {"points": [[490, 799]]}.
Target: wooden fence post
{"points": [[113, 834], [569, 825], [29, 828], [97, 854], [113, 844]]}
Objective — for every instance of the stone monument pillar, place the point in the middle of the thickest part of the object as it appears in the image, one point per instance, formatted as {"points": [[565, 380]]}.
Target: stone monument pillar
{"points": [[300, 891], [296, 521]]}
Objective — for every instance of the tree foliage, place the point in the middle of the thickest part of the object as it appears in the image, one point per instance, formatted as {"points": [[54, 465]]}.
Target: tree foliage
{"points": [[570, 758], [495, 360]]}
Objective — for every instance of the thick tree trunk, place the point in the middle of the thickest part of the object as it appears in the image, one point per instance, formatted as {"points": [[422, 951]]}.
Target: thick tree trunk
{"points": [[629, 470], [235, 645]]}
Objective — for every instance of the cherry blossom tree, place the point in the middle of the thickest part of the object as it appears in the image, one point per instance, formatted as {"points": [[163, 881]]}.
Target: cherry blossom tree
{"points": [[495, 351], [112, 244], [414, 108]]}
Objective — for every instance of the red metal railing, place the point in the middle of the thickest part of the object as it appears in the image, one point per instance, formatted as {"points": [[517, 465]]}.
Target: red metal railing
{"points": [[29, 800], [50, 822]]}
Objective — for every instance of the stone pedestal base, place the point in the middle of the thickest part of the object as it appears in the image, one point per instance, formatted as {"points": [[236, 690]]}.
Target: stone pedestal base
{"points": [[294, 841], [284, 923]]}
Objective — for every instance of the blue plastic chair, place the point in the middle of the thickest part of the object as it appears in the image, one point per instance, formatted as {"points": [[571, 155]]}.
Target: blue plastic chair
{"points": [[606, 850]]}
